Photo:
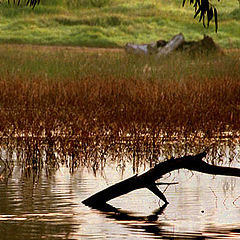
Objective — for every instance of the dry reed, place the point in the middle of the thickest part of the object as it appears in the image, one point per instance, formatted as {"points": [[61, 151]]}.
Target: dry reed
{"points": [[102, 115]]}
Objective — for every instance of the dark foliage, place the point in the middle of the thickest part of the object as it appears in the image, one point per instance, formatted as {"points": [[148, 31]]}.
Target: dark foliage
{"points": [[31, 3], [205, 10]]}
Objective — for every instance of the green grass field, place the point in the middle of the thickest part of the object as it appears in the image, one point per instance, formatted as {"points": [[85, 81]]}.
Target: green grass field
{"points": [[113, 23]]}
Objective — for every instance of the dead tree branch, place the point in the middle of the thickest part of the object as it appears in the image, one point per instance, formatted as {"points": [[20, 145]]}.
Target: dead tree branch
{"points": [[147, 180]]}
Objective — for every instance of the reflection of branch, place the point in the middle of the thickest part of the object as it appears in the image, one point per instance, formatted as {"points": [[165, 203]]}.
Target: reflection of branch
{"points": [[126, 218], [119, 214], [149, 224]]}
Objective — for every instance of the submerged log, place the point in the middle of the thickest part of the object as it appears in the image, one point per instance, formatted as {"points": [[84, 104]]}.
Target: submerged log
{"points": [[147, 180]]}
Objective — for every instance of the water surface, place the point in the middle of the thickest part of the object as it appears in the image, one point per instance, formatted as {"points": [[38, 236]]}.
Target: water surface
{"points": [[201, 207]]}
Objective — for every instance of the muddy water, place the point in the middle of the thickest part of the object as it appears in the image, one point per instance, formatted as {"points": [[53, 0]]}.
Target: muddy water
{"points": [[201, 207]]}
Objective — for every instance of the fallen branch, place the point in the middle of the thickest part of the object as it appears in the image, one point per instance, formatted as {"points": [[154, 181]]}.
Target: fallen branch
{"points": [[177, 43], [147, 180], [172, 45]]}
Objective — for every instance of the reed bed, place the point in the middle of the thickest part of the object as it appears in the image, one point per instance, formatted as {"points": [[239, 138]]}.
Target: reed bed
{"points": [[77, 108]]}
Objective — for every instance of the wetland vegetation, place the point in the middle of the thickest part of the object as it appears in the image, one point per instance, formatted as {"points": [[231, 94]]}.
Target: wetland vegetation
{"points": [[75, 107]]}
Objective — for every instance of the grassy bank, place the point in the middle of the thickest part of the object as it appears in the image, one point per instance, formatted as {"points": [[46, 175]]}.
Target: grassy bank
{"points": [[108, 23], [83, 107]]}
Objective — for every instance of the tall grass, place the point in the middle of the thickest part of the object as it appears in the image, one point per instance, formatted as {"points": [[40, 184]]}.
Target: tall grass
{"points": [[88, 108]]}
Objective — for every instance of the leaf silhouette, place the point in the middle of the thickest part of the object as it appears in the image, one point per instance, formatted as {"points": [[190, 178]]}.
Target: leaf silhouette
{"points": [[204, 7], [209, 15], [216, 19], [197, 12]]}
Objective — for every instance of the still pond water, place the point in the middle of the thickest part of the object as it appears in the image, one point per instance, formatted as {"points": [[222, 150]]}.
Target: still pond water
{"points": [[201, 207]]}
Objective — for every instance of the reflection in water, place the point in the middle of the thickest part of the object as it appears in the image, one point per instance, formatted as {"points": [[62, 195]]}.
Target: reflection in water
{"points": [[29, 210], [201, 207], [148, 224]]}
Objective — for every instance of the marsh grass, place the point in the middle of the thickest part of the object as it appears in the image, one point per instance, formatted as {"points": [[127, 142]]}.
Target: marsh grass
{"points": [[89, 108]]}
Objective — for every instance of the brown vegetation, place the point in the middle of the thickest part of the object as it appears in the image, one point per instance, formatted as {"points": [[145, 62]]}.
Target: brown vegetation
{"points": [[102, 116]]}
